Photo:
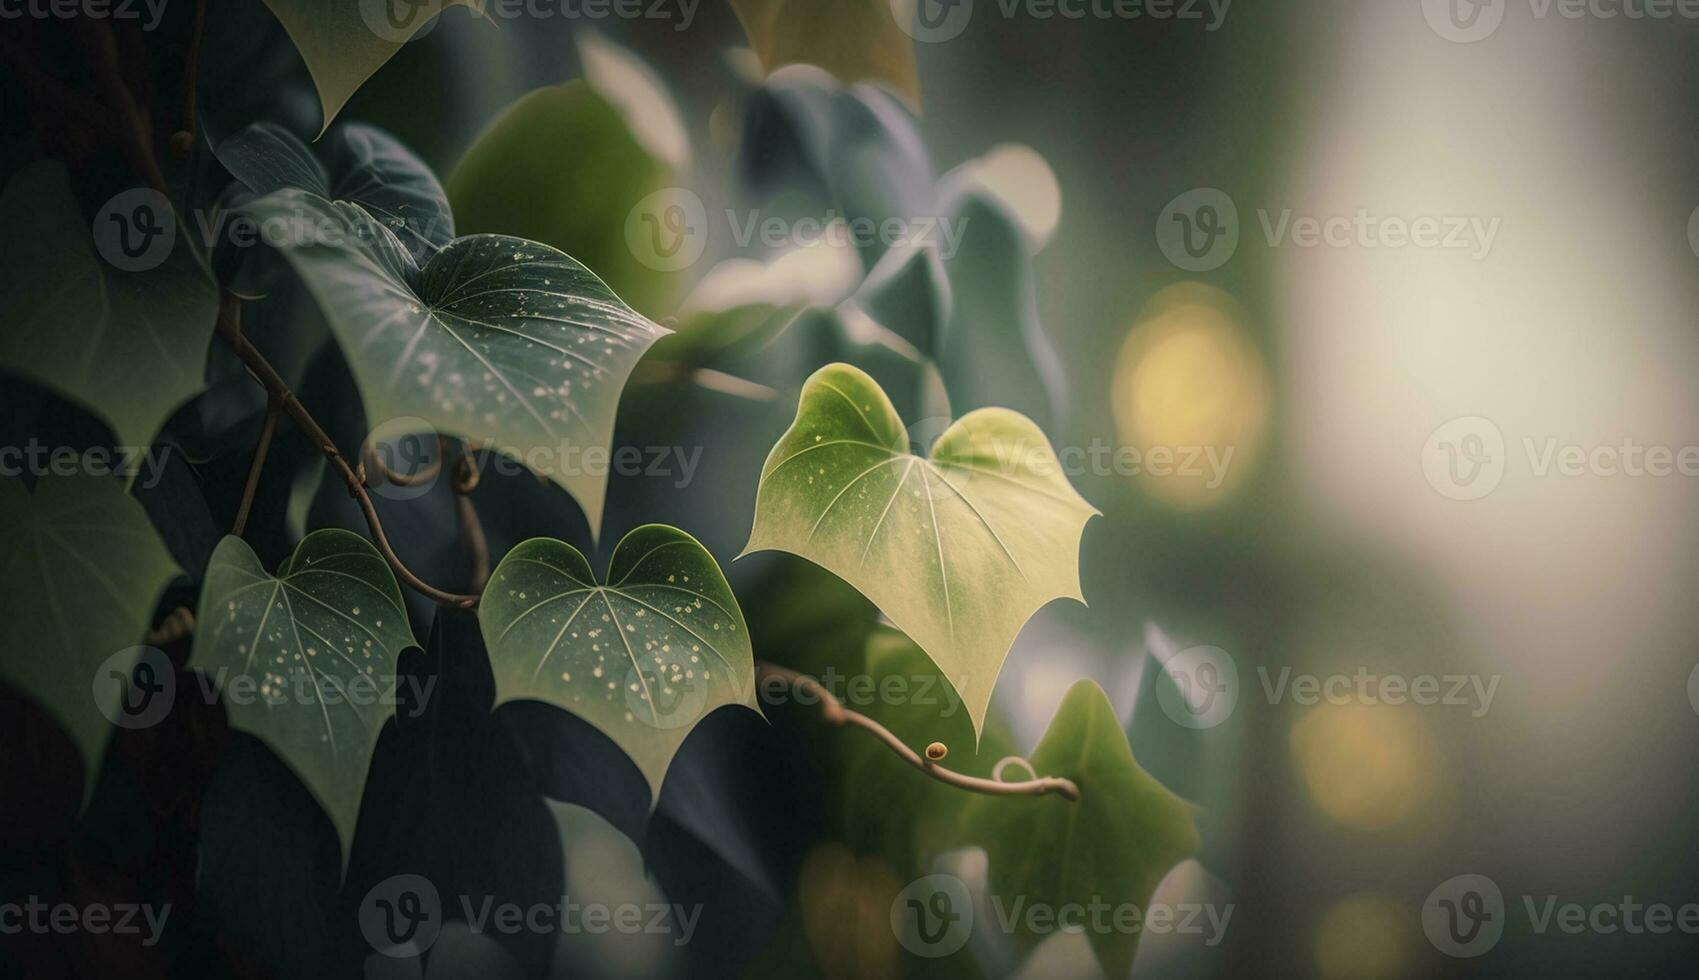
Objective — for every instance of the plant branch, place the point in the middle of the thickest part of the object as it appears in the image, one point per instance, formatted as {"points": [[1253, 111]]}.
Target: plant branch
{"points": [[183, 141], [273, 409], [472, 539], [228, 329], [837, 715]]}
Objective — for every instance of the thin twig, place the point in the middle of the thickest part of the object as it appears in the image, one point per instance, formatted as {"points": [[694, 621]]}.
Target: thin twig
{"points": [[472, 538], [273, 409], [279, 389], [836, 714], [183, 141]]}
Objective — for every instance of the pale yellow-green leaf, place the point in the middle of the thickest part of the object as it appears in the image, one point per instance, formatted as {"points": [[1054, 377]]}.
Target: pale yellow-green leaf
{"points": [[959, 548]]}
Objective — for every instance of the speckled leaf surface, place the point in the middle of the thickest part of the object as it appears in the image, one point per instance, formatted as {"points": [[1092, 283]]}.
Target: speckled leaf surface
{"points": [[504, 341], [643, 658], [959, 548], [306, 659]]}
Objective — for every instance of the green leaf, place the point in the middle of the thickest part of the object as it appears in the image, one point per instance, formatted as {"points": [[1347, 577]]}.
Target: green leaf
{"points": [[855, 40], [345, 42], [499, 340], [958, 548], [81, 570], [306, 659], [363, 165], [1112, 845], [642, 658], [566, 165], [128, 345]]}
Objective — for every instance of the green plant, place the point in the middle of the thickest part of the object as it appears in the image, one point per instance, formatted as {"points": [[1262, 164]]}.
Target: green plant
{"points": [[486, 349]]}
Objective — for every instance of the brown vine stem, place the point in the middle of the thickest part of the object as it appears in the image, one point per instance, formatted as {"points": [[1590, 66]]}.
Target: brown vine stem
{"points": [[261, 448], [465, 480], [183, 141], [139, 150], [230, 330], [837, 715]]}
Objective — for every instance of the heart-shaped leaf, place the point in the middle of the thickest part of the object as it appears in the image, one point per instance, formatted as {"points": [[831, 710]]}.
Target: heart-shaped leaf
{"points": [[643, 658], [81, 571], [507, 342], [130, 345], [1112, 845], [959, 548], [345, 42], [362, 164], [306, 659]]}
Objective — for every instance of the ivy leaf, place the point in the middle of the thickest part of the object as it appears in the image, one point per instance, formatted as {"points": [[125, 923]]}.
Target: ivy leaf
{"points": [[643, 658], [566, 165], [129, 345], [306, 659], [500, 340], [959, 548], [364, 165], [83, 565], [1112, 845], [855, 40], [345, 42]]}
